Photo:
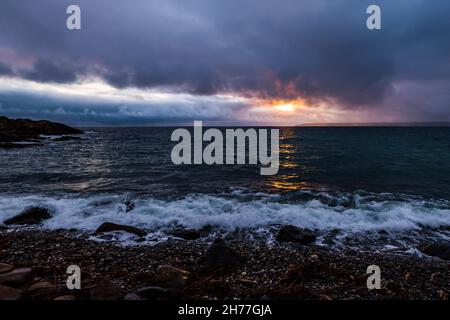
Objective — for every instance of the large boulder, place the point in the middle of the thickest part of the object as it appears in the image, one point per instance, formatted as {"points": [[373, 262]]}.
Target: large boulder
{"points": [[106, 291], [41, 288], [296, 235], [65, 298], [16, 277], [8, 293], [221, 256], [186, 234], [440, 250], [4, 267], [109, 227], [30, 216], [171, 277]]}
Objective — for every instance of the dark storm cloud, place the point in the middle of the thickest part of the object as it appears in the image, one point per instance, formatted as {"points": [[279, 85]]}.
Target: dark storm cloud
{"points": [[316, 49], [45, 70], [5, 69]]}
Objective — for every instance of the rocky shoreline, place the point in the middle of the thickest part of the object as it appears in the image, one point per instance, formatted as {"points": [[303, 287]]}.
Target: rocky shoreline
{"points": [[34, 264], [24, 133]]}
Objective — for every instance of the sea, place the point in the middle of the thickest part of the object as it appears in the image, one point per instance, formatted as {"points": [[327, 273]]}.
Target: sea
{"points": [[363, 188]]}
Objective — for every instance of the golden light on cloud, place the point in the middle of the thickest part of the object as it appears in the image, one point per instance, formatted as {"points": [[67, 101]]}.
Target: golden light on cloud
{"points": [[285, 107]]}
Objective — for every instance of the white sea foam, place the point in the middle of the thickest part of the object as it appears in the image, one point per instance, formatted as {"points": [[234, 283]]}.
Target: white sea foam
{"points": [[229, 213]]}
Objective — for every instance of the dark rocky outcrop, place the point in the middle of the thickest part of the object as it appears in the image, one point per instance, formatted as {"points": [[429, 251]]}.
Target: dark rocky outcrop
{"points": [[24, 130], [440, 250], [30, 216], [296, 235], [221, 256], [109, 226]]}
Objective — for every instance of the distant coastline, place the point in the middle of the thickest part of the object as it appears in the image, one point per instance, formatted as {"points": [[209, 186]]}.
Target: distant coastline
{"points": [[377, 124]]}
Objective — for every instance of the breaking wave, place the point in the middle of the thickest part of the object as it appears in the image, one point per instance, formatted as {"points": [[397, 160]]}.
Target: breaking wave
{"points": [[320, 211]]}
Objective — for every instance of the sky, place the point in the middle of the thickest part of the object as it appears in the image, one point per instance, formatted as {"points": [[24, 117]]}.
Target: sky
{"points": [[226, 62]]}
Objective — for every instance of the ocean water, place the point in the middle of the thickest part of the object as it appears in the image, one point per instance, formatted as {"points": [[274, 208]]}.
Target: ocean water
{"points": [[381, 186]]}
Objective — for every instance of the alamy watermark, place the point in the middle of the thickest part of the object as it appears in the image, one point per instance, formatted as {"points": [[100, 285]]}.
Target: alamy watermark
{"points": [[74, 279], [73, 21], [374, 278], [248, 146]]}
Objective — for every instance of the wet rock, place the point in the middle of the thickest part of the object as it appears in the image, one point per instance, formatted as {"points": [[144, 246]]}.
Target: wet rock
{"points": [[106, 291], [206, 230], [440, 250], [170, 277], [221, 256], [295, 234], [153, 293], [5, 267], [40, 288], [8, 293], [16, 277], [133, 297], [65, 298], [129, 206], [109, 226], [30, 216], [186, 234]]}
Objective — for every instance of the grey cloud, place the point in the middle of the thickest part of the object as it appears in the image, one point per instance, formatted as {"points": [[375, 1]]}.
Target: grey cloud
{"points": [[5, 69], [78, 111], [45, 70], [315, 49]]}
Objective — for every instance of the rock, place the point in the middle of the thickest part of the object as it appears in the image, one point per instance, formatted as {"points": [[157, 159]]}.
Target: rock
{"points": [[153, 293], [440, 250], [30, 216], [109, 226], [170, 277], [16, 276], [295, 234], [65, 298], [220, 256], [8, 293], [129, 206], [41, 288], [106, 291], [28, 130], [133, 296], [5, 267], [186, 234]]}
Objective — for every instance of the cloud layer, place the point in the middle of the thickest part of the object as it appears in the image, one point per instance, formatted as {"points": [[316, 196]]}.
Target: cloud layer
{"points": [[318, 50]]}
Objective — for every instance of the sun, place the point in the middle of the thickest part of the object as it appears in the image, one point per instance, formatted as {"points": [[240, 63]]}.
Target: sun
{"points": [[289, 107]]}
